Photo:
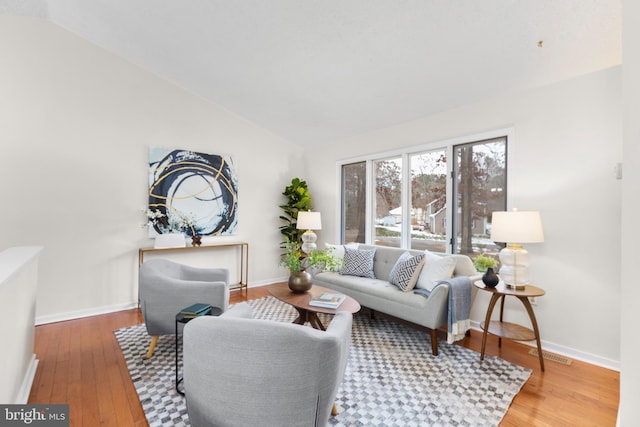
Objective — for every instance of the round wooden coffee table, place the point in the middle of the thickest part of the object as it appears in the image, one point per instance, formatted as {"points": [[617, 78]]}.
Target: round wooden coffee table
{"points": [[306, 312]]}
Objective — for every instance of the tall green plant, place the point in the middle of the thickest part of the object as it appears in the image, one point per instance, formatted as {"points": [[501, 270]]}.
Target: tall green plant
{"points": [[298, 199]]}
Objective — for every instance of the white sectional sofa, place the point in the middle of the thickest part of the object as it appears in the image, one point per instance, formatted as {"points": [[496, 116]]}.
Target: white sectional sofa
{"points": [[426, 305]]}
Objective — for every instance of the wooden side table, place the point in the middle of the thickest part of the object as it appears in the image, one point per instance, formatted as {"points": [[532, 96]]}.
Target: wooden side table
{"points": [[181, 318], [508, 330]]}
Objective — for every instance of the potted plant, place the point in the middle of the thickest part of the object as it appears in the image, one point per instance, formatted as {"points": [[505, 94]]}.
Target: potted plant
{"points": [[298, 199], [298, 262], [483, 262], [322, 260]]}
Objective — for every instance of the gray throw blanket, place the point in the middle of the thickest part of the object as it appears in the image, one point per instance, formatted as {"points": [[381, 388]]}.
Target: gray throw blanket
{"points": [[459, 306]]}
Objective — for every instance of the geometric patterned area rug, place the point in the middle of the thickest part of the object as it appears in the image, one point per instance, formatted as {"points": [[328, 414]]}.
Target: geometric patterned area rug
{"points": [[391, 378]]}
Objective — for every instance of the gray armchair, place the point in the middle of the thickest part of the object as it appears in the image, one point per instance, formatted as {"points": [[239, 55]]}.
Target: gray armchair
{"points": [[240, 371], [167, 287]]}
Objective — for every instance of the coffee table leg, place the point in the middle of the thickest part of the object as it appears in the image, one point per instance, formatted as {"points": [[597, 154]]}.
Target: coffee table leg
{"points": [[302, 316], [315, 321], [305, 316]]}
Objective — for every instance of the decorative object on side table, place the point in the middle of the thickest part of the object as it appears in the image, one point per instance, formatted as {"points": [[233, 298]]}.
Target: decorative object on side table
{"points": [[297, 263], [195, 310], [171, 231], [490, 278], [511, 227], [169, 240], [486, 264]]}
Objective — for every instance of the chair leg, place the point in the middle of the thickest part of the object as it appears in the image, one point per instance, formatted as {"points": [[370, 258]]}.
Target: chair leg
{"points": [[152, 346], [334, 410], [434, 342]]}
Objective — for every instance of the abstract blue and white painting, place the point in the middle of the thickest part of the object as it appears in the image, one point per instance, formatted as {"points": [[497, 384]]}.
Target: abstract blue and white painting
{"points": [[197, 193]]}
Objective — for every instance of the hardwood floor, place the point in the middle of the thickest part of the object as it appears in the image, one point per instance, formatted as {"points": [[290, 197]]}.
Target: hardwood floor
{"points": [[80, 363]]}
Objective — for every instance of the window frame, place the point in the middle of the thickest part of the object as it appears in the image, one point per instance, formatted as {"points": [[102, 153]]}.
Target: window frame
{"points": [[405, 153]]}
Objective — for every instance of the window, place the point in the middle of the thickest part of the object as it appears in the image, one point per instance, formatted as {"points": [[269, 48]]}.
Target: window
{"points": [[429, 200], [387, 203], [354, 180], [437, 197], [479, 189]]}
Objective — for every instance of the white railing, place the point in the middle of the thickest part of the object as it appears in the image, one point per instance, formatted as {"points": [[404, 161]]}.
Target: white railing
{"points": [[18, 284]]}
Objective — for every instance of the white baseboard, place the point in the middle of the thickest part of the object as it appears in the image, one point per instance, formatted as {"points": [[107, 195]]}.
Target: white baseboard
{"points": [[268, 282], [42, 320], [27, 382], [567, 352]]}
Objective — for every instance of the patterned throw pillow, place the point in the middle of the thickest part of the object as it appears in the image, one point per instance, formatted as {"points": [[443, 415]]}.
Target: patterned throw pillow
{"points": [[405, 272], [358, 262]]}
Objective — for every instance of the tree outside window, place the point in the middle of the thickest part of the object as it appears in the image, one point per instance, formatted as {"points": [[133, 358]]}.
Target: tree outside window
{"points": [[387, 204], [354, 189], [479, 189], [429, 200]]}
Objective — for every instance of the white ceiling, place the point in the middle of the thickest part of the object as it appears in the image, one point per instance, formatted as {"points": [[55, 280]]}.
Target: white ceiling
{"points": [[320, 70]]}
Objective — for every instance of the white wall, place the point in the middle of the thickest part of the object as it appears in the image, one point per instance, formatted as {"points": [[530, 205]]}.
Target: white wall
{"points": [[629, 411], [567, 140], [75, 126]]}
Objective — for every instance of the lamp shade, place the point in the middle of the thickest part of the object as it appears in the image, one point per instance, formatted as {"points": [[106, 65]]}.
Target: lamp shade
{"points": [[516, 227], [308, 220]]}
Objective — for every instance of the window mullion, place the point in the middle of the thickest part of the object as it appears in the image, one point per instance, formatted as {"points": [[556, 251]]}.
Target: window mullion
{"points": [[406, 202], [450, 204], [371, 193]]}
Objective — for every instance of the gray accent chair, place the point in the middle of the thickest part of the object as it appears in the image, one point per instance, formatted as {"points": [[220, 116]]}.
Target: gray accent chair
{"points": [[240, 371], [166, 287]]}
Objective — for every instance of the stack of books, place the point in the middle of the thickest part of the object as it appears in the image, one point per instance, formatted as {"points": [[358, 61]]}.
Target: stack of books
{"points": [[196, 310], [327, 300]]}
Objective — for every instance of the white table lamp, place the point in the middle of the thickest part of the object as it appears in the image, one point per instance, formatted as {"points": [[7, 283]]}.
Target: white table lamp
{"points": [[309, 221], [513, 228]]}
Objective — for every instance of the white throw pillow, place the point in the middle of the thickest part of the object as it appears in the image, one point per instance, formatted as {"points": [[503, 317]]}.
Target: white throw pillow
{"points": [[435, 268], [338, 250]]}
